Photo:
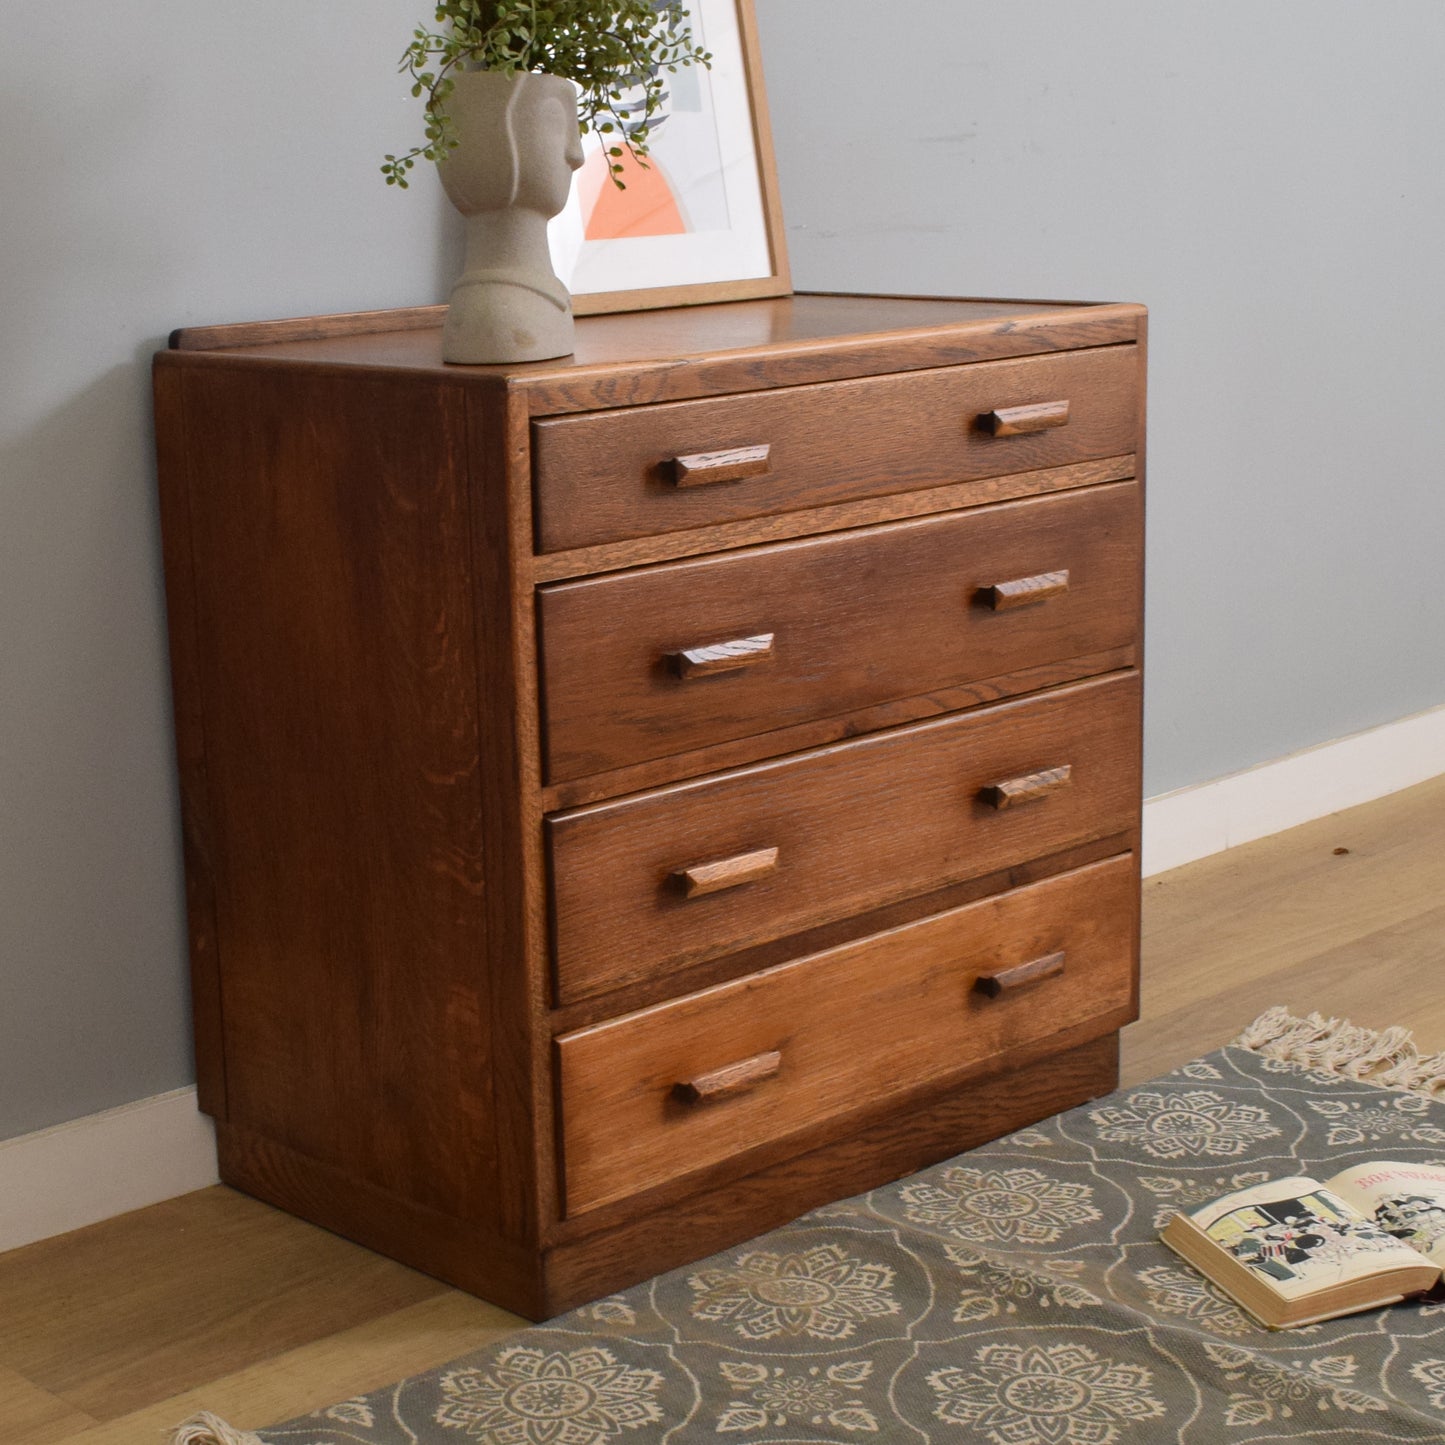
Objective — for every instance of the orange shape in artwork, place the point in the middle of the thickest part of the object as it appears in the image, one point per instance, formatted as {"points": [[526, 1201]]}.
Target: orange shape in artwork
{"points": [[646, 208]]}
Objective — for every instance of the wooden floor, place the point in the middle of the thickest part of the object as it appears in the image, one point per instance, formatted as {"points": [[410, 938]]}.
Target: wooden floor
{"points": [[113, 1334], [1344, 916]]}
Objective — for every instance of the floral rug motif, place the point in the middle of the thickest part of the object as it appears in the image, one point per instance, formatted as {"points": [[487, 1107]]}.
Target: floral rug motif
{"points": [[1016, 1295]]}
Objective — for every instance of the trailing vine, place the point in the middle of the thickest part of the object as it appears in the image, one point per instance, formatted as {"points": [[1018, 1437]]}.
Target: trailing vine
{"points": [[617, 52]]}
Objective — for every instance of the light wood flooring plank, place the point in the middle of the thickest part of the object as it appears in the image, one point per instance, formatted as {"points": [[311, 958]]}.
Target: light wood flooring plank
{"points": [[34, 1416], [1288, 920], [320, 1374], [135, 1309]]}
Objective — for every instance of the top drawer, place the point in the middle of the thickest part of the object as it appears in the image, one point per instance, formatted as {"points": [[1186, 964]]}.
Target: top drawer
{"points": [[608, 476]]}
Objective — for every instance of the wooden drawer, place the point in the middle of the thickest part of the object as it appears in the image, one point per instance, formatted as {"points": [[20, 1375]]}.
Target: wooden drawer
{"points": [[650, 884], [848, 621], [657, 1094], [611, 475]]}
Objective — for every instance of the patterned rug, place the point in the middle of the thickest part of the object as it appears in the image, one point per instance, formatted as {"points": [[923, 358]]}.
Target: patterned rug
{"points": [[1016, 1294]]}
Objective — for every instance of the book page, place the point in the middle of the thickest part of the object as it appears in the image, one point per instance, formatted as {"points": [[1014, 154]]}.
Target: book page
{"points": [[1299, 1237], [1407, 1201]]}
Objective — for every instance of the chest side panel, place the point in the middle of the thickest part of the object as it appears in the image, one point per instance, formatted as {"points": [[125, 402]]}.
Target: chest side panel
{"points": [[339, 681]]}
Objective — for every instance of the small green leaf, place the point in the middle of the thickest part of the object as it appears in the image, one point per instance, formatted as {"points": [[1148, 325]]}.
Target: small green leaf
{"points": [[608, 48]]}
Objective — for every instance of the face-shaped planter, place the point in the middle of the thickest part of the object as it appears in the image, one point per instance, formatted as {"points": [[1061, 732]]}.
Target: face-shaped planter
{"points": [[510, 173]]}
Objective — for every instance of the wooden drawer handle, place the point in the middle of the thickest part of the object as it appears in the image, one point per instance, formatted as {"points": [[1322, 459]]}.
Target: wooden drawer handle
{"points": [[1007, 979], [1017, 421], [736, 464], [731, 1079], [1023, 591], [722, 656], [1028, 789], [704, 878]]}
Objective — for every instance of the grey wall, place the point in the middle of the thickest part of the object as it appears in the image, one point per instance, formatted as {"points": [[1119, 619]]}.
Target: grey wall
{"points": [[1269, 177], [175, 164], [1266, 174]]}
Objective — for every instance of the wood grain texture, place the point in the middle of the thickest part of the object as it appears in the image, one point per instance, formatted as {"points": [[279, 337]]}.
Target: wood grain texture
{"points": [[866, 1021], [1285, 919], [337, 1367], [1026, 591], [911, 796], [1017, 421], [858, 1119], [507, 710], [241, 334], [728, 1081], [858, 619], [608, 476], [736, 464], [642, 359], [1030, 788], [356, 606], [1141, 363], [339, 686], [1288, 920], [148, 1332], [800, 340], [716, 657], [692, 978], [698, 880], [818, 732], [637, 1243], [826, 334], [32, 1416], [173, 469], [463, 1252], [1020, 975], [702, 293], [613, 557]]}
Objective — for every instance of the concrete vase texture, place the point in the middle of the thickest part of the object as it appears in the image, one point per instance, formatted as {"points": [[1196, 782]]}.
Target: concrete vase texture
{"points": [[509, 175]]}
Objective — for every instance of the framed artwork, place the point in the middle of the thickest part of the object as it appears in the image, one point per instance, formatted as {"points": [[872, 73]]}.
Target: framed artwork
{"points": [[701, 221]]}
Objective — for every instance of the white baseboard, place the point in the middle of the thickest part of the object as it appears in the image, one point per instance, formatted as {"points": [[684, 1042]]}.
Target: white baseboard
{"points": [[1192, 823], [106, 1164]]}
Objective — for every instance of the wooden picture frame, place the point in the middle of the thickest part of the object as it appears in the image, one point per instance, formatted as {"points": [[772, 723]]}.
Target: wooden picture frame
{"points": [[652, 245]]}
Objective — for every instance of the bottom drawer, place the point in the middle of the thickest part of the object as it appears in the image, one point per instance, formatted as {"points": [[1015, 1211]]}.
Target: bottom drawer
{"points": [[657, 1094]]}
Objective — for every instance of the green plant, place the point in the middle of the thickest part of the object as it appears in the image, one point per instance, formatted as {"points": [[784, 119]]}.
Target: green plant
{"points": [[617, 52]]}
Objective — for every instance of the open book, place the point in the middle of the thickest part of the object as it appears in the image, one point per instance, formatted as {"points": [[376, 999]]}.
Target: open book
{"points": [[1298, 1250]]}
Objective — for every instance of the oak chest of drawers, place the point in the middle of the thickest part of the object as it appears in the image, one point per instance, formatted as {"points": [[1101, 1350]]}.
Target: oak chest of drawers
{"points": [[632, 799]]}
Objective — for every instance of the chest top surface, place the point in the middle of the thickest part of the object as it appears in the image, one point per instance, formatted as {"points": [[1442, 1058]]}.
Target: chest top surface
{"points": [[645, 356]]}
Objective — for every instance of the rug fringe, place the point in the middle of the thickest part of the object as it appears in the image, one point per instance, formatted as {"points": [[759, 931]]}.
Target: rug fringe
{"points": [[209, 1429], [1387, 1057]]}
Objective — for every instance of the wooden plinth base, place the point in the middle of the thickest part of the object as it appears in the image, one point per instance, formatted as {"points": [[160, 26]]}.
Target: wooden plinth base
{"points": [[539, 1282]]}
